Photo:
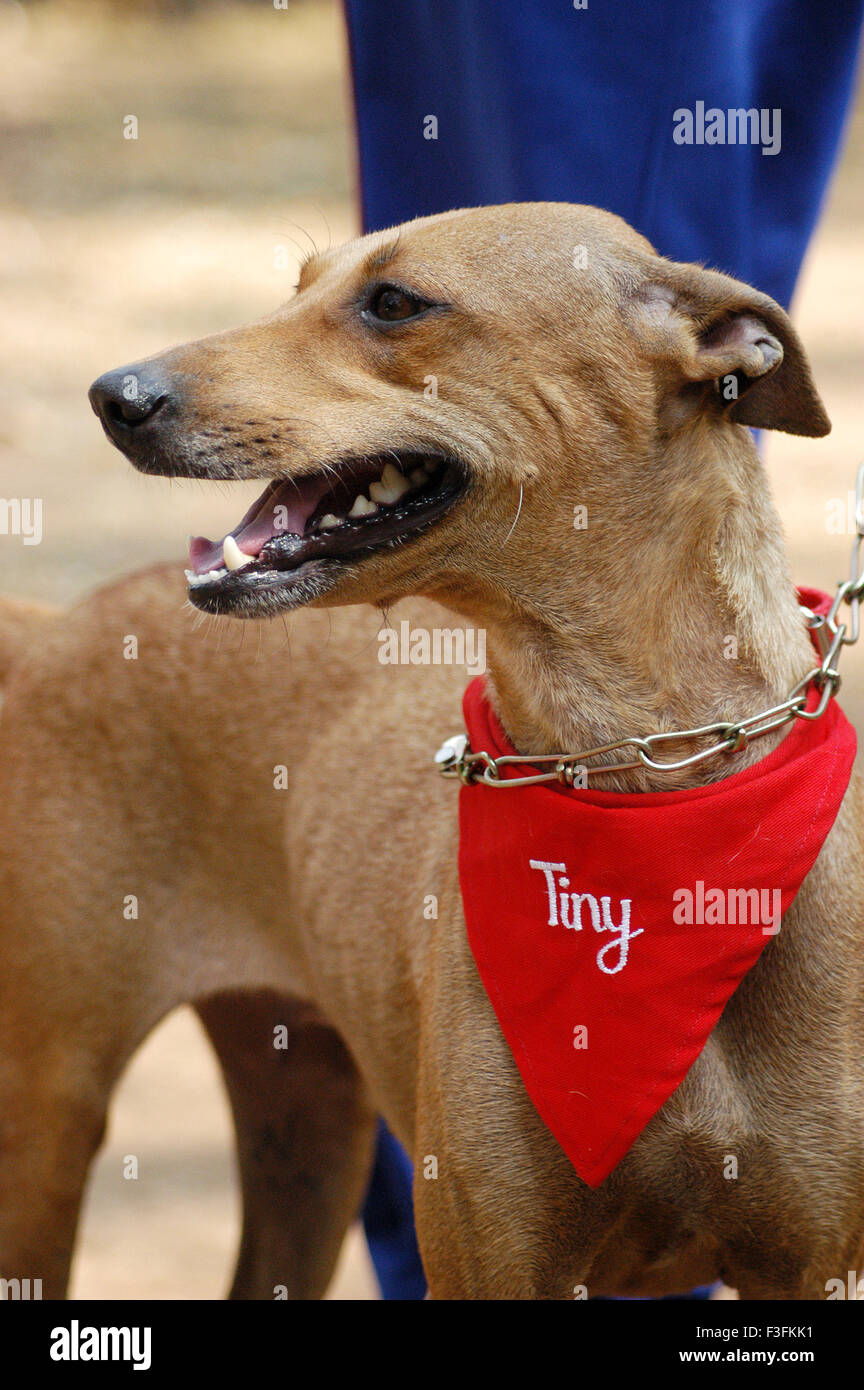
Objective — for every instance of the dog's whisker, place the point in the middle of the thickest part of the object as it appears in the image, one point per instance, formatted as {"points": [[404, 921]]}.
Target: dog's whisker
{"points": [[516, 517]]}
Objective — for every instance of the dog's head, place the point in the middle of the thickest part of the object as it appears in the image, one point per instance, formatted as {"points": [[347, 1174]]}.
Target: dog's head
{"points": [[428, 386]]}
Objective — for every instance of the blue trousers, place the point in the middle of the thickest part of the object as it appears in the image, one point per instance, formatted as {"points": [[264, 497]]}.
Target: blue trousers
{"points": [[547, 100]]}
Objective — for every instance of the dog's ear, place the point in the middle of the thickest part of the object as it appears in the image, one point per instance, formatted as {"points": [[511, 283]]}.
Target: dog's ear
{"points": [[707, 327]]}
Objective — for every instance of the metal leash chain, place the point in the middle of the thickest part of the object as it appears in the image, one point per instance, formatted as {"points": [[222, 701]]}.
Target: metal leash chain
{"points": [[455, 757]]}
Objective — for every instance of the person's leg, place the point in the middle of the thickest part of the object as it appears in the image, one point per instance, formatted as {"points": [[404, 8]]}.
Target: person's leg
{"points": [[388, 1219], [553, 102], [479, 103]]}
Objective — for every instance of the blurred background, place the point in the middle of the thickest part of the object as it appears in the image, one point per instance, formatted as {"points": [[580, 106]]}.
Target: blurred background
{"points": [[113, 248]]}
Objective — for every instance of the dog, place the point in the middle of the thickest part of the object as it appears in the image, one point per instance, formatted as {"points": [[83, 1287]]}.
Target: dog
{"points": [[259, 838]]}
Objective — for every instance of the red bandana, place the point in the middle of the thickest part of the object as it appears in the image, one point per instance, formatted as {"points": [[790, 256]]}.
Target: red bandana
{"points": [[611, 929]]}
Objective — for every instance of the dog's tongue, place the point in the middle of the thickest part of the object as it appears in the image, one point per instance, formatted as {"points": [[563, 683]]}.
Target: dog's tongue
{"points": [[283, 507]]}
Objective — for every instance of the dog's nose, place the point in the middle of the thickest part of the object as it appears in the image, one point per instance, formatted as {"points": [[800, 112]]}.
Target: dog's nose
{"points": [[129, 397]]}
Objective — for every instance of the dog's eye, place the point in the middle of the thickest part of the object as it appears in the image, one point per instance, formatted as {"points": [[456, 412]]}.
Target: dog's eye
{"points": [[389, 304]]}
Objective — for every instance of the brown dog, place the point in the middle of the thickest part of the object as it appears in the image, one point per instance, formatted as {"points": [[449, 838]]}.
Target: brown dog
{"points": [[518, 362]]}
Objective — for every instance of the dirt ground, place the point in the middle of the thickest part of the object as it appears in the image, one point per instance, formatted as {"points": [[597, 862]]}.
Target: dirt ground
{"points": [[111, 249]]}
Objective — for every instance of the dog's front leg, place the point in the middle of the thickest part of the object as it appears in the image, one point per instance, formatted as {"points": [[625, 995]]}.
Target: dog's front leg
{"points": [[497, 1216], [500, 1214]]}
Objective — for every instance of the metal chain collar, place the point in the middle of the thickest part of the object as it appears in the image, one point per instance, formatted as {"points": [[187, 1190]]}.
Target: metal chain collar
{"points": [[455, 757]]}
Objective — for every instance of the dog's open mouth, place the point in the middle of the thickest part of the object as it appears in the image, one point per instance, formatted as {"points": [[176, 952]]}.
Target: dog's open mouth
{"points": [[340, 512]]}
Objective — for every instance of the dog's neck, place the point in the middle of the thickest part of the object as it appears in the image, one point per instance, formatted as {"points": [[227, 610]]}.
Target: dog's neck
{"points": [[683, 613]]}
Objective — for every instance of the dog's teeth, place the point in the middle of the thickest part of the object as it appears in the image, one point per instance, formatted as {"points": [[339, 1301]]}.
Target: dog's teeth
{"points": [[392, 486], [328, 521], [197, 579], [362, 506], [234, 557], [392, 476]]}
